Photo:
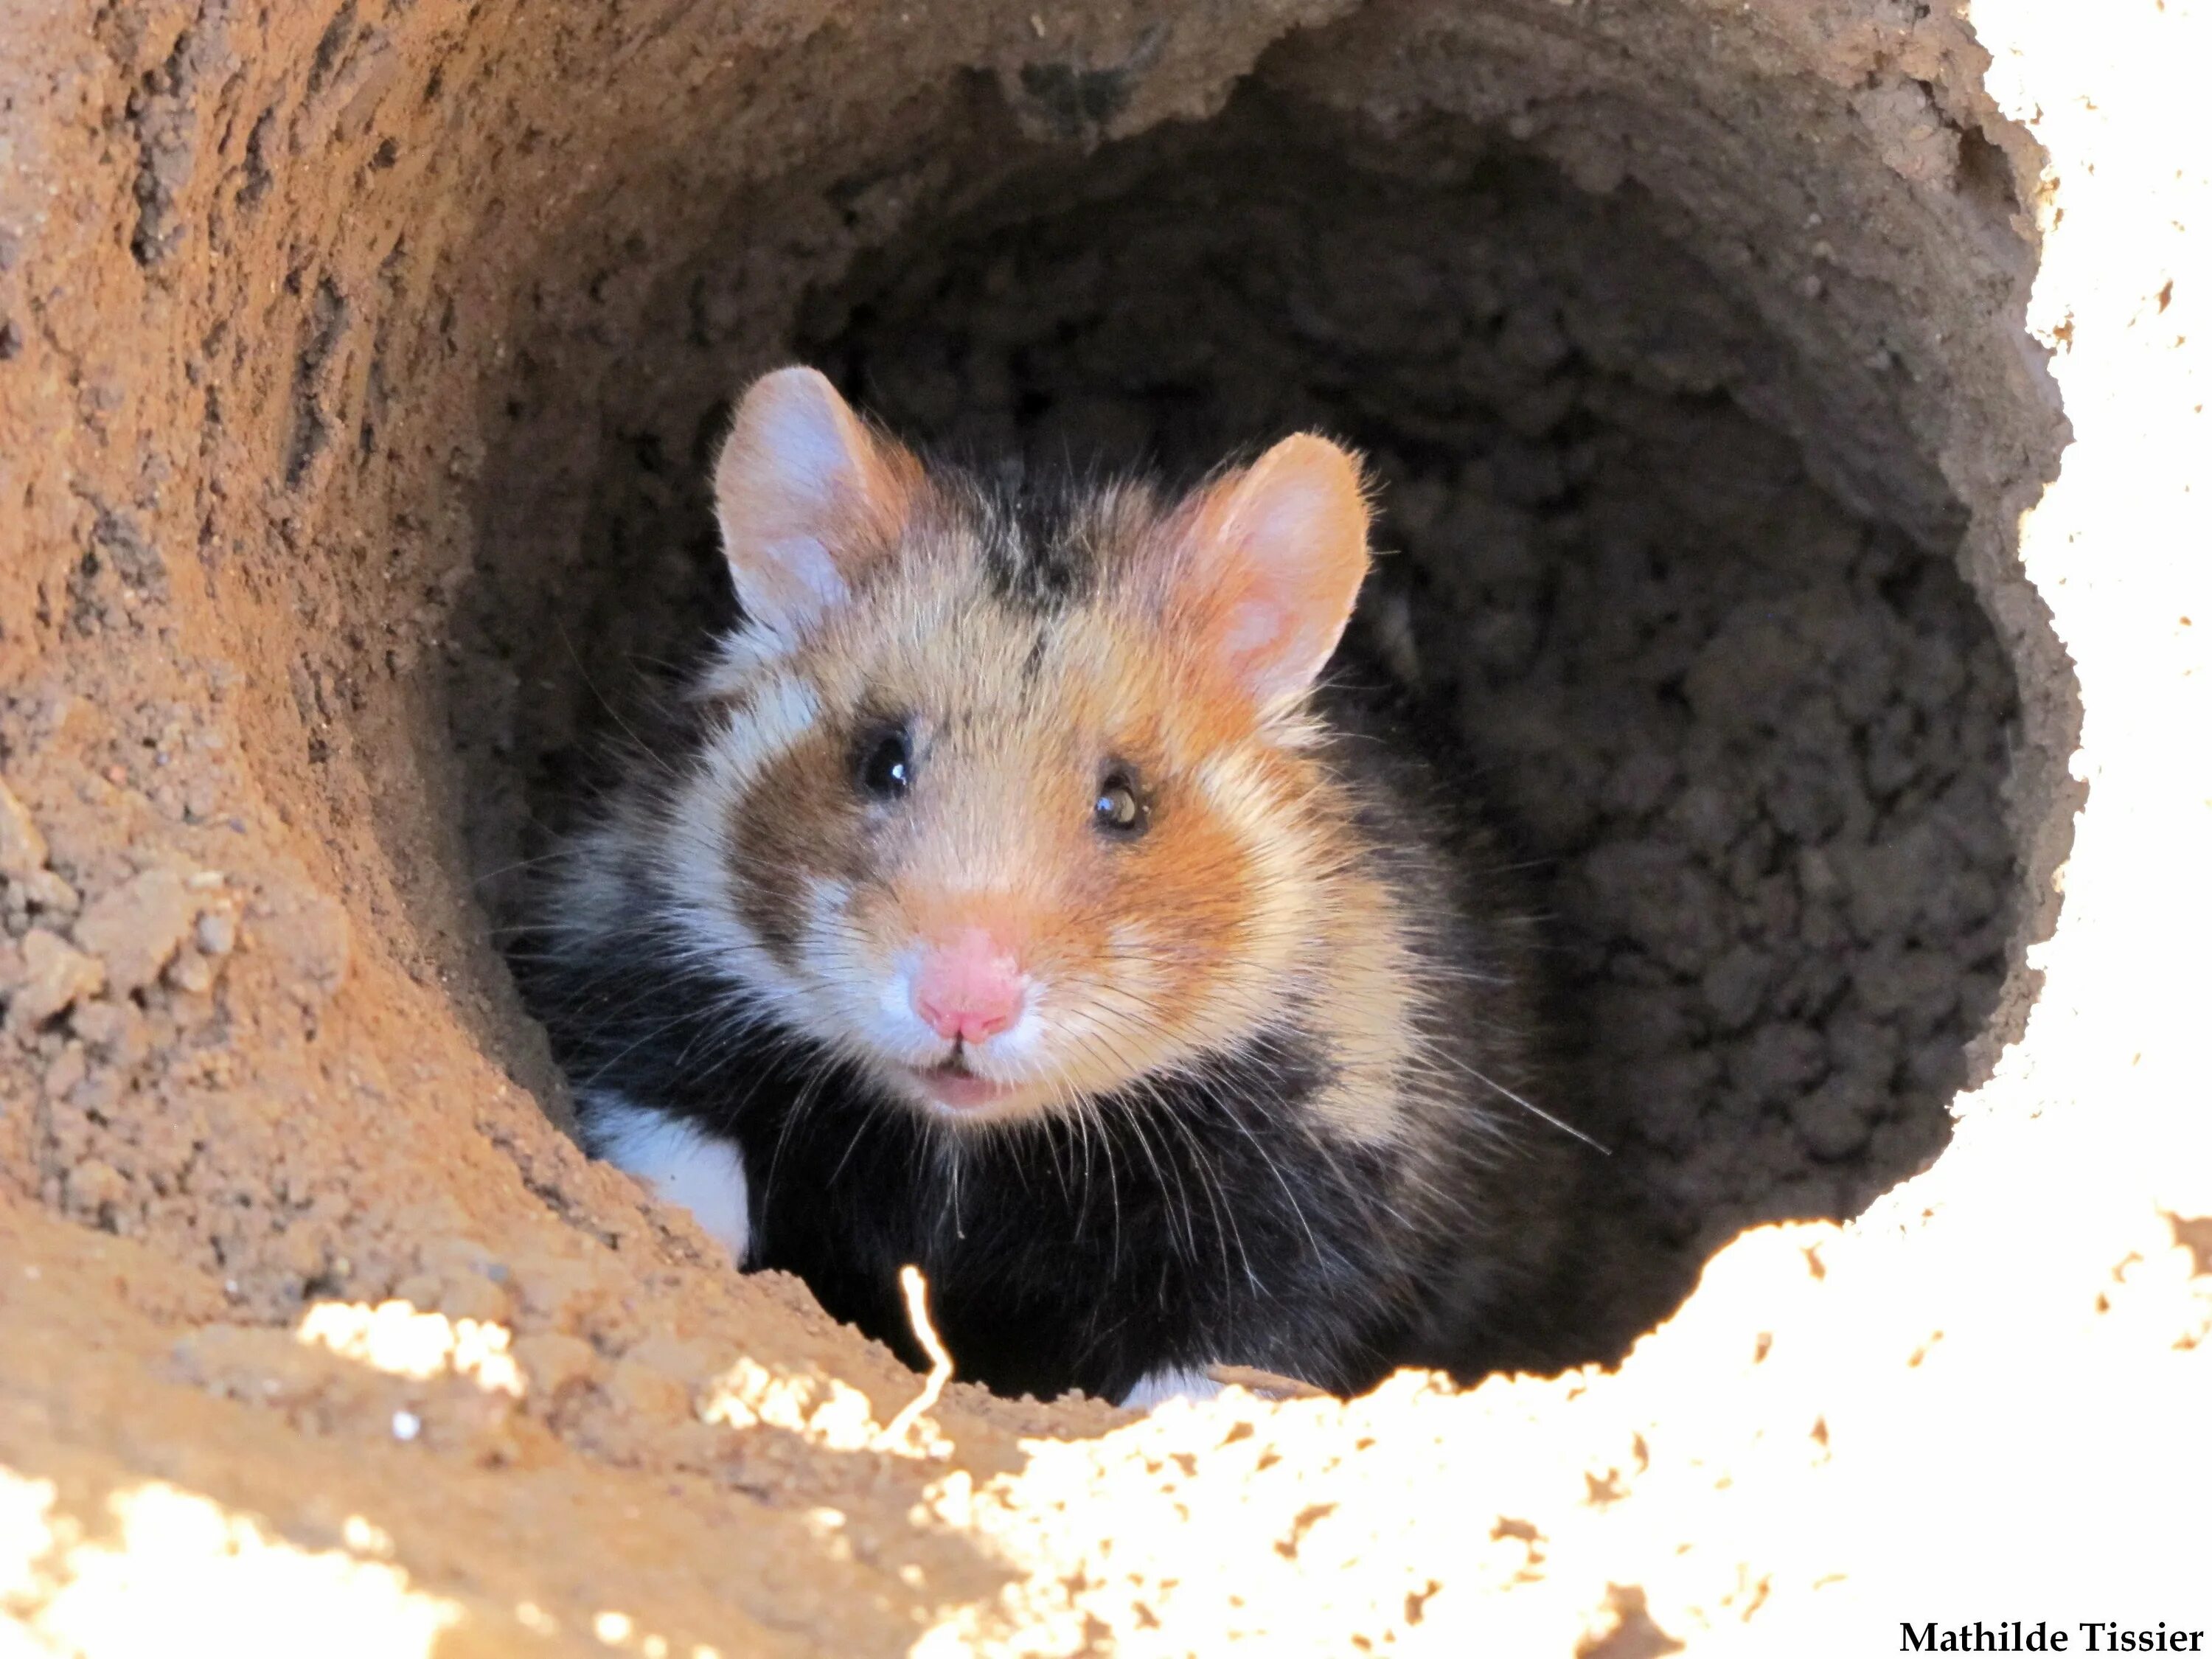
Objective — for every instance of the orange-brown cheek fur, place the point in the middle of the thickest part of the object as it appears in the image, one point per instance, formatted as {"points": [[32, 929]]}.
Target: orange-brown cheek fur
{"points": [[1183, 888], [795, 824], [1187, 886]]}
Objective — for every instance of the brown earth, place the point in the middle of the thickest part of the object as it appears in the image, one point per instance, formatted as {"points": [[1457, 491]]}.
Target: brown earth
{"points": [[355, 363]]}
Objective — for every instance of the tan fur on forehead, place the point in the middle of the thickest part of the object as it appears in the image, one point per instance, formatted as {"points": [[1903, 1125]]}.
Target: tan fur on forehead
{"points": [[928, 623]]}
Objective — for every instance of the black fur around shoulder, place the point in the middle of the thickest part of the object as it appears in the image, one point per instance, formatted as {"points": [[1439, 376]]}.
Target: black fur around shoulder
{"points": [[1197, 1222]]}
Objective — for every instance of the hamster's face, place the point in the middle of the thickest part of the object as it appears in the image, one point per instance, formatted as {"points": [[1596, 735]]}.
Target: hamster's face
{"points": [[1012, 806]]}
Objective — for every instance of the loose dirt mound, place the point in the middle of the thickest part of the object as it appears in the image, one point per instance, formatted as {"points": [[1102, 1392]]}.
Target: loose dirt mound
{"points": [[356, 365]]}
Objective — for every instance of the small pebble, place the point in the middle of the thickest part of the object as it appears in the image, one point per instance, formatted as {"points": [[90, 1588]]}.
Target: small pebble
{"points": [[215, 933], [190, 971], [22, 848]]}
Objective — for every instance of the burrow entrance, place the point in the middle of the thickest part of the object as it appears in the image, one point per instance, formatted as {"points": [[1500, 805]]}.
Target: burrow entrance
{"points": [[359, 364], [1725, 689]]}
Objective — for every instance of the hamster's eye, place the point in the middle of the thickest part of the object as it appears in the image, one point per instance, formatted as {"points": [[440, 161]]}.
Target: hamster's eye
{"points": [[1120, 811], [886, 763]]}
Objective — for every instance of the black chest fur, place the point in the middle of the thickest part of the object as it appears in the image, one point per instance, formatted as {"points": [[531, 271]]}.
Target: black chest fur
{"points": [[1203, 1220]]}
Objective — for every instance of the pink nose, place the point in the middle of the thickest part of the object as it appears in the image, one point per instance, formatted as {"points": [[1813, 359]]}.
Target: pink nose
{"points": [[970, 986]]}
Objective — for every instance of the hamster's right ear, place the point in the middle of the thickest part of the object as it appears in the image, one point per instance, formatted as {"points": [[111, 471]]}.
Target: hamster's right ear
{"points": [[807, 495]]}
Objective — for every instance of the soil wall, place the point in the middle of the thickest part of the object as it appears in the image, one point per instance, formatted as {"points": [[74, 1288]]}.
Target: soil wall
{"points": [[1790, 413]]}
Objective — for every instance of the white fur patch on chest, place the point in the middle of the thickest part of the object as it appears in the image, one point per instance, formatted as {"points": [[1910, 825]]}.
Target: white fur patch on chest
{"points": [[1175, 1382], [678, 1161]]}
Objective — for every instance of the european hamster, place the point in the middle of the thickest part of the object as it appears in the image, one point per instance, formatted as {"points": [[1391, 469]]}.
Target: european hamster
{"points": [[1010, 902]]}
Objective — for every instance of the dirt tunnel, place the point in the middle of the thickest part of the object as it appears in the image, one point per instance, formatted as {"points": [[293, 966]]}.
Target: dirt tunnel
{"points": [[360, 369]]}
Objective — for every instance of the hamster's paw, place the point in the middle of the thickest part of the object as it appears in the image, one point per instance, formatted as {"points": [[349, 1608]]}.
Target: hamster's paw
{"points": [[677, 1160]]}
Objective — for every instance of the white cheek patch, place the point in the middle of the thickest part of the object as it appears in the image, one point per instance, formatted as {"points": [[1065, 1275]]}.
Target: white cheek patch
{"points": [[1174, 1382], [1234, 786], [679, 1162], [849, 991], [739, 658], [696, 854], [781, 713], [894, 995], [1026, 1038]]}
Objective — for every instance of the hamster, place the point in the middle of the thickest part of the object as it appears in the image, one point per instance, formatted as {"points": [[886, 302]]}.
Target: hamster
{"points": [[1007, 900]]}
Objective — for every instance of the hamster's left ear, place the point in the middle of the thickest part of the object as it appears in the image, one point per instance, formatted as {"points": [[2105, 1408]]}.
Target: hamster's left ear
{"points": [[1268, 565], [807, 495]]}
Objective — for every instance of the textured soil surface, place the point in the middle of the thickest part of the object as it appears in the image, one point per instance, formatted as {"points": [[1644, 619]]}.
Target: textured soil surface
{"points": [[1788, 413]]}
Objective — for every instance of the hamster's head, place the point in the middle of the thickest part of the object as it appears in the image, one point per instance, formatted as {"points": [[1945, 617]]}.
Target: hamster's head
{"points": [[1013, 802]]}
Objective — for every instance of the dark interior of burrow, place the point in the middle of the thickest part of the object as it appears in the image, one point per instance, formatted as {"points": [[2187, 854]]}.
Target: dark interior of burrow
{"points": [[1748, 747]]}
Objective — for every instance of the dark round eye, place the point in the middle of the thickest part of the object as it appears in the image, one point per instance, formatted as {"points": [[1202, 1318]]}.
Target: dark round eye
{"points": [[1118, 810], [886, 763]]}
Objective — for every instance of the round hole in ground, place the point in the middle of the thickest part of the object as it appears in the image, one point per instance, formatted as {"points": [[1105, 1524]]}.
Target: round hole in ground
{"points": [[1750, 741]]}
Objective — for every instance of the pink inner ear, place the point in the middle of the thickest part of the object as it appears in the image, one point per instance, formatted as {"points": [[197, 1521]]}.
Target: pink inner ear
{"points": [[804, 492], [1277, 555]]}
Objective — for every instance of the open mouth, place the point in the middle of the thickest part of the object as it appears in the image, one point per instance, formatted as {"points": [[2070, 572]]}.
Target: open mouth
{"points": [[954, 1086]]}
